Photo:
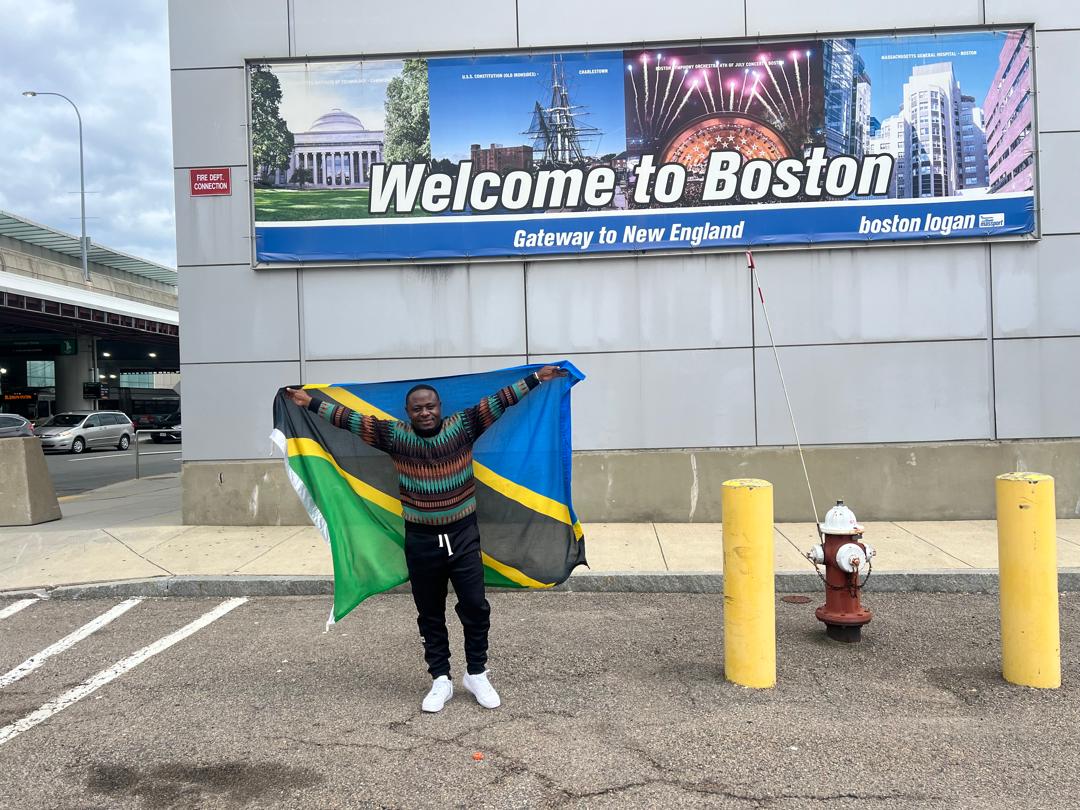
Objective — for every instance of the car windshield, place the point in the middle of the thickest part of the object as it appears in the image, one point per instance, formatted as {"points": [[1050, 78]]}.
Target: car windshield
{"points": [[171, 419], [65, 420]]}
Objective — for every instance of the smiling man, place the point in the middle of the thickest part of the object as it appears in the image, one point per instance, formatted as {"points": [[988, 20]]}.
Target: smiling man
{"points": [[433, 456]]}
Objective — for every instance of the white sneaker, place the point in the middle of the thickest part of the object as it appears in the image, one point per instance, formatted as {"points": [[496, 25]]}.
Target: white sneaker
{"points": [[442, 689], [482, 690]]}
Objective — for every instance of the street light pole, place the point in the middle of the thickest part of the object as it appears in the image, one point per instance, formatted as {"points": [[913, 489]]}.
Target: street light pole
{"points": [[82, 177]]}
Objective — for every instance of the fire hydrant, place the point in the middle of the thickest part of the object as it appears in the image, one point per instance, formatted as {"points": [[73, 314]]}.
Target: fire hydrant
{"points": [[846, 559]]}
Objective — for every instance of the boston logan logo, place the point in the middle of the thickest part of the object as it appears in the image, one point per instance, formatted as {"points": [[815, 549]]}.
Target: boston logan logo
{"points": [[992, 220]]}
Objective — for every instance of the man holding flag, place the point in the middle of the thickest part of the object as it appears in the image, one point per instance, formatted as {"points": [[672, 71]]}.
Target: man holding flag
{"points": [[434, 461]]}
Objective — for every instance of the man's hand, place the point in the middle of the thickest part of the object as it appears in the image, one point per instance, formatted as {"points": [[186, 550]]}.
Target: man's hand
{"points": [[299, 397], [550, 373]]}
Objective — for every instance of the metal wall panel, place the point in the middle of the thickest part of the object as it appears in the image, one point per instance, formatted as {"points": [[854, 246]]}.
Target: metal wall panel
{"points": [[227, 408], [242, 315], [1058, 167], [414, 311], [219, 138], [570, 22], [330, 27], [1044, 13], [799, 18], [663, 399], [1038, 387], [209, 33], [887, 392], [1055, 66], [427, 369], [213, 230], [1037, 288], [932, 292], [631, 303]]}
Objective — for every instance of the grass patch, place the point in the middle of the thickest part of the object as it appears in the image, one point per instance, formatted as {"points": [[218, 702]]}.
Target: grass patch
{"points": [[285, 205]]}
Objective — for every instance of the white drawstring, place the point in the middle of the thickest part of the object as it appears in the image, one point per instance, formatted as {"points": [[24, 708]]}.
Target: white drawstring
{"points": [[446, 538]]}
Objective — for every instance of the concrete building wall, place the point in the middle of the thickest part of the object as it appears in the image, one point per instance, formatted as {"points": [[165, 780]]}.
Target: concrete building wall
{"points": [[963, 346]]}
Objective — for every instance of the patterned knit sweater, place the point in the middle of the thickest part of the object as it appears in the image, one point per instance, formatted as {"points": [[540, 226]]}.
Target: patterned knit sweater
{"points": [[435, 472]]}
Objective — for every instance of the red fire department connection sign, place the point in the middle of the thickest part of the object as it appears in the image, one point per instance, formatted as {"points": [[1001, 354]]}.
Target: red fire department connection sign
{"points": [[208, 182]]}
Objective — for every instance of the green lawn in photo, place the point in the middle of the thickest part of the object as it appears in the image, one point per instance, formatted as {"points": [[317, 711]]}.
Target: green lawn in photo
{"points": [[287, 205]]}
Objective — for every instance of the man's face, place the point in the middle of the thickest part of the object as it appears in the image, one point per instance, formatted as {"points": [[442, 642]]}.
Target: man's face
{"points": [[424, 409]]}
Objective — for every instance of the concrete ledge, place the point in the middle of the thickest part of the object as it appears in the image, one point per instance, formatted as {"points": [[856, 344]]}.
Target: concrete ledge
{"points": [[931, 481], [972, 581]]}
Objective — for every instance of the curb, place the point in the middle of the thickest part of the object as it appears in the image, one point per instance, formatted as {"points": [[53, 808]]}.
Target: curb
{"points": [[972, 581]]}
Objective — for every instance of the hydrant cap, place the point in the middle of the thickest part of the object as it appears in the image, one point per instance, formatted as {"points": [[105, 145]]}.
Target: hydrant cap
{"points": [[840, 520]]}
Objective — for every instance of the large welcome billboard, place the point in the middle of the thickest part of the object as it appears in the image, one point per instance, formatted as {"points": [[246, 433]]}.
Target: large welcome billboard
{"points": [[797, 142]]}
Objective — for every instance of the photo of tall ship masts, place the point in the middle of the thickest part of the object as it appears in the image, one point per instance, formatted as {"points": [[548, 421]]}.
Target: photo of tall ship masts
{"points": [[560, 138]]}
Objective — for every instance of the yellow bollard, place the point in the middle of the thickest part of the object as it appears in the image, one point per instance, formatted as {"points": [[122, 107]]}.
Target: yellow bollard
{"points": [[1027, 566], [749, 585]]}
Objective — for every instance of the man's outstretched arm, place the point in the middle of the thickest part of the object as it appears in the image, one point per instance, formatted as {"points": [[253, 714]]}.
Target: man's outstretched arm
{"points": [[373, 431], [490, 409]]}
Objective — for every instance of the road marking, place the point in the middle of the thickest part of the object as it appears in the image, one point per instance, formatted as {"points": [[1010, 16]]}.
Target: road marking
{"points": [[15, 607], [117, 455], [95, 682], [35, 661]]}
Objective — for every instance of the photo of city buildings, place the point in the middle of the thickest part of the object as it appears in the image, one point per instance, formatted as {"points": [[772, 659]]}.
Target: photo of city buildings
{"points": [[953, 110]]}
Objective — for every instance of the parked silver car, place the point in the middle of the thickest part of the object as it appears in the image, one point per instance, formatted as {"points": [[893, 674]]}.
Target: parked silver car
{"points": [[83, 430], [12, 426]]}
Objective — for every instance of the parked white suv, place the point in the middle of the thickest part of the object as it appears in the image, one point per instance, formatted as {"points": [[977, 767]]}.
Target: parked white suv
{"points": [[84, 430]]}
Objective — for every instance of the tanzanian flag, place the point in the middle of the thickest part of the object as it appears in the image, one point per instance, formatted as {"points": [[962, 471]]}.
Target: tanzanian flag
{"points": [[530, 535]]}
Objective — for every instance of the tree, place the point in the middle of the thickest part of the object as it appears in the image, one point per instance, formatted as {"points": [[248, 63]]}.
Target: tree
{"points": [[443, 166], [271, 141], [302, 176], [408, 130]]}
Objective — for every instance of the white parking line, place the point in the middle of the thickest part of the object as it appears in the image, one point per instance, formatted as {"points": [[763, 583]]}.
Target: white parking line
{"points": [[35, 661], [95, 682], [15, 607]]}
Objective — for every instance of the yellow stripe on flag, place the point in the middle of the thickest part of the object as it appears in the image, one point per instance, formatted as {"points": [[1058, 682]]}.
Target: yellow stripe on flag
{"points": [[513, 574], [526, 497], [343, 397], [310, 447]]}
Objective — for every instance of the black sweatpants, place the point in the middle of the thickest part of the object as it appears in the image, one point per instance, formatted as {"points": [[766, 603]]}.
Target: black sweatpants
{"points": [[433, 560]]}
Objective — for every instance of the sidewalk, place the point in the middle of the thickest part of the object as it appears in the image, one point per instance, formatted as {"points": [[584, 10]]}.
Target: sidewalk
{"points": [[132, 531]]}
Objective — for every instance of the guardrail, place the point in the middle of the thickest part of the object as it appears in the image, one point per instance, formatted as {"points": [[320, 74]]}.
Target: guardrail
{"points": [[137, 432]]}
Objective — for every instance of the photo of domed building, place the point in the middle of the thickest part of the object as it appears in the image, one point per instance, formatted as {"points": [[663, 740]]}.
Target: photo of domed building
{"points": [[337, 149]]}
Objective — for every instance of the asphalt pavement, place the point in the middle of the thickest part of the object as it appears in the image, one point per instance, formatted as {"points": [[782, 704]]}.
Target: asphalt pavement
{"points": [[609, 700], [74, 474]]}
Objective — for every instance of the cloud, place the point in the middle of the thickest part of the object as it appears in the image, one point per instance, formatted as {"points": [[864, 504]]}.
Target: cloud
{"points": [[111, 57]]}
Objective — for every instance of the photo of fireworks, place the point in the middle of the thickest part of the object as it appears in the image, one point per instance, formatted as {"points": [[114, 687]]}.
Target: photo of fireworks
{"points": [[681, 104]]}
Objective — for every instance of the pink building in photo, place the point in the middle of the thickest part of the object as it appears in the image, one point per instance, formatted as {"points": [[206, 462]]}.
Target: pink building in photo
{"points": [[1009, 114]]}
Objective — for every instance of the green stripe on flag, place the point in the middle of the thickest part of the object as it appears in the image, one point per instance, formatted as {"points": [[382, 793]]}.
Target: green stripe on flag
{"points": [[366, 541]]}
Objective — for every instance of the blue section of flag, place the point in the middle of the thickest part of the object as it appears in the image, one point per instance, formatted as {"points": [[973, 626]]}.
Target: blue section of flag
{"points": [[529, 445], [643, 231]]}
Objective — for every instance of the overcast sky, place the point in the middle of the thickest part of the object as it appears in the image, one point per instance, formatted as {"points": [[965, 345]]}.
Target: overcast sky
{"points": [[111, 57]]}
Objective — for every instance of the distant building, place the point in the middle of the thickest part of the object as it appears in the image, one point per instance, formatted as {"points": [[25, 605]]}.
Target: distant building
{"points": [[932, 107], [1009, 115], [974, 169], [893, 137], [338, 150], [499, 158], [847, 99]]}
